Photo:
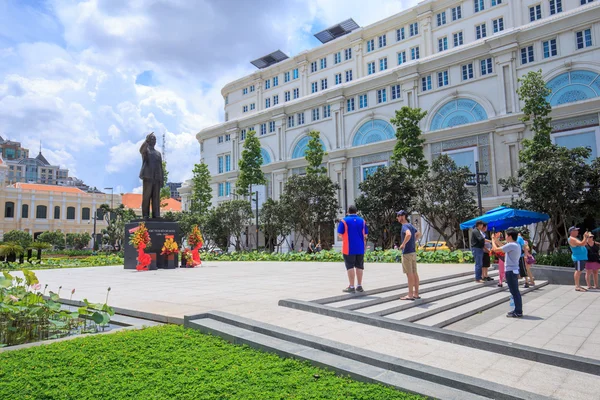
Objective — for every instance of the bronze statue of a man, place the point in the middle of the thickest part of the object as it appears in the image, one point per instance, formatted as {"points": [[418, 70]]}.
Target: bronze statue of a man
{"points": [[152, 175]]}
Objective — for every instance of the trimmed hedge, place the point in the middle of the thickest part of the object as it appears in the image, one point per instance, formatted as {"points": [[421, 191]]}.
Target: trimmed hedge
{"points": [[170, 362], [55, 263]]}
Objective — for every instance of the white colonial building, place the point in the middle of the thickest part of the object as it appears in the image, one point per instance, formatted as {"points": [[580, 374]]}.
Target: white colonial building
{"points": [[458, 60]]}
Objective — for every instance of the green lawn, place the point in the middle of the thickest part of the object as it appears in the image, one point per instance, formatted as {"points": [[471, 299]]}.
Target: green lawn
{"points": [[169, 362]]}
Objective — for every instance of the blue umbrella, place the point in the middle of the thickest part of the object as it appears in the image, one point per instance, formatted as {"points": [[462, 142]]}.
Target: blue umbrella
{"points": [[502, 218]]}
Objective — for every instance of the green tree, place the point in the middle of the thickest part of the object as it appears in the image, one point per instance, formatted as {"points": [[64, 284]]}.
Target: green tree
{"points": [[78, 241], [533, 92], [21, 238], [274, 223], [444, 200], [201, 190], [55, 238], [312, 201], [226, 222], [187, 220], [409, 144], [250, 165], [165, 191], [314, 154], [117, 217], [383, 193]]}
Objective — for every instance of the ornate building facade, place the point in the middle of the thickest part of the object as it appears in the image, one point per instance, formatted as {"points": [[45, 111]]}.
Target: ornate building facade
{"points": [[458, 60]]}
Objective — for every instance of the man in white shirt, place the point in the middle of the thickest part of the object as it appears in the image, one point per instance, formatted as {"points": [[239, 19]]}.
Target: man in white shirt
{"points": [[512, 252]]}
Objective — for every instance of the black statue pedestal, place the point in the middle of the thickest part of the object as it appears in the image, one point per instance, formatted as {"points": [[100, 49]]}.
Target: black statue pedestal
{"points": [[158, 228]]}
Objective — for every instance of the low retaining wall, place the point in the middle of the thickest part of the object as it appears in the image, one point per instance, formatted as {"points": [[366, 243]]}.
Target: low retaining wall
{"points": [[555, 275]]}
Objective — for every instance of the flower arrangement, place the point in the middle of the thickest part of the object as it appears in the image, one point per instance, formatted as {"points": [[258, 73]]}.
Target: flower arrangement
{"points": [[186, 255], [140, 239], [195, 237], [170, 246]]}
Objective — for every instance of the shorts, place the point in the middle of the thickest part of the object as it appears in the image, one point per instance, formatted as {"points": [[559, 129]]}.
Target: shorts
{"points": [[409, 263], [486, 260], [354, 261], [592, 266], [579, 265]]}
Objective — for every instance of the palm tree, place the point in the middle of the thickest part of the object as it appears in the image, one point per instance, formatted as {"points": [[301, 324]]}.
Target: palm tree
{"points": [[39, 246], [11, 249]]}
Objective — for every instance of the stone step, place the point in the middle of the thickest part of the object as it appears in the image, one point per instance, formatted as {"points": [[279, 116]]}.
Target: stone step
{"points": [[367, 301], [361, 364], [458, 312]]}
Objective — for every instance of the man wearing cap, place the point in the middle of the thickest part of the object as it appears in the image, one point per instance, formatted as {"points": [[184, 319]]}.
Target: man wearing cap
{"points": [[408, 238], [578, 254]]}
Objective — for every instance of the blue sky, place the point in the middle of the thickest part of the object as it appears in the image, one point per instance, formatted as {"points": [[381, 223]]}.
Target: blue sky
{"points": [[89, 79]]}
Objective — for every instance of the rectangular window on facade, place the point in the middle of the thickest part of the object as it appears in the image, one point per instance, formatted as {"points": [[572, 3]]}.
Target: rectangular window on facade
{"points": [[458, 38], [70, 212], [291, 121], [245, 91], [56, 212], [584, 2], [350, 105], [226, 99], [413, 29], [527, 55], [9, 209], [296, 93], [227, 188], [584, 38], [348, 75], [555, 6], [401, 57], [220, 164], [348, 54], [382, 41], [286, 76], [414, 53], [252, 106], [550, 49], [467, 71], [337, 57], [323, 84], [227, 163], [426, 83], [295, 73], [480, 31], [441, 18], [221, 189], [395, 92], [25, 211], [271, 126], [243, 134], [314, 86], [381, 96], [300, 118], [400, 34], [443, 44], [383, 64], [263, 129], [245, 109], [267, 84], [228, 138], [496, 2], [579, 138], [371, 67], [370, 45], [535, 12], [42, 211], [326, 111], [338, 79], [267, 103], [442, 78], [315, 114], [275, 81], [287, 96], [479, 5], [251, 88], [313, 66], [498, 25], [275, 99], [456, 13], [323, 63], [220, 139], [363, 101], [486, 66]]}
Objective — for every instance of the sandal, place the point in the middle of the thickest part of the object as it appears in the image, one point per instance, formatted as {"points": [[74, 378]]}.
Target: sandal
{"points": [[417, 297], [580, 289], [406, 298]]}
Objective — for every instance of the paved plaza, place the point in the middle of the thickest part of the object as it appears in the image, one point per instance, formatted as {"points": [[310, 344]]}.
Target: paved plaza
{"points": [[558, 318]]}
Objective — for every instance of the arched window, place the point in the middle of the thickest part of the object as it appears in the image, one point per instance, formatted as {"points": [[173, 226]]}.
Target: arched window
{"points": [[300, 147], [56, 212], [373, 131], [25, 211], [266, 157], [70, 212], [573, 86], [458, 112], [41, 212], [9, 209], [85, 213]]}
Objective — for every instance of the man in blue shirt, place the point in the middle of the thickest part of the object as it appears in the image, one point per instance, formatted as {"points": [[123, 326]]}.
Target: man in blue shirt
{"points": [[353, 232], [409, 236]]}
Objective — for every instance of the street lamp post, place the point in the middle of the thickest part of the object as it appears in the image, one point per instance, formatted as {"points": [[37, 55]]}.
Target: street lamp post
{"points": [[112, 192], [477, 179], [256, 200]]}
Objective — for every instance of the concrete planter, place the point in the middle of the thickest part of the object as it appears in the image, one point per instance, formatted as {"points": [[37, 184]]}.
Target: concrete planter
{"points": [[554, 275]]}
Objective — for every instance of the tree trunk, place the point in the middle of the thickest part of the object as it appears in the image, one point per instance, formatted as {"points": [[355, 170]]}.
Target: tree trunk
{"points": [[39, 254]]}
